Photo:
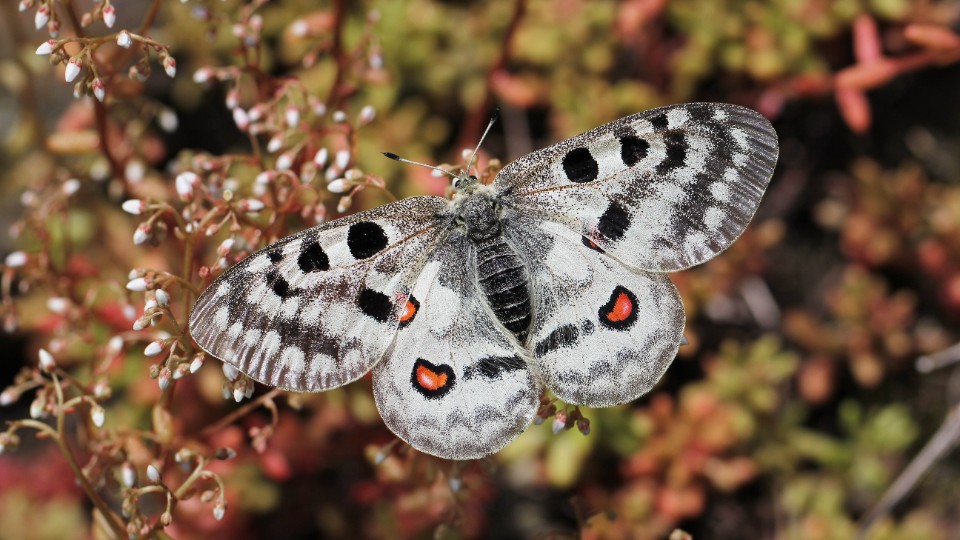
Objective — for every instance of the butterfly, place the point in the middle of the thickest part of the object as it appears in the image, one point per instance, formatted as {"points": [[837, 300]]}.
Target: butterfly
{"points": [[553, 276]]}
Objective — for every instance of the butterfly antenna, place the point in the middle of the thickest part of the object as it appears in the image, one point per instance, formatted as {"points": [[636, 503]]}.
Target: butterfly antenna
{"points": [[395, 157], [493, 120]]}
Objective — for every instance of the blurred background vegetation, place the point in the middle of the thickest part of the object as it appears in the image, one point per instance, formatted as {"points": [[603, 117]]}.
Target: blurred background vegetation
{"points": [[817, 397]]}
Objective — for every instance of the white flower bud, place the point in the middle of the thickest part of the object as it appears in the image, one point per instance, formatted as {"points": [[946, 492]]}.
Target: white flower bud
{"points": [[134, 206], [47, 364], [135, 170], [238, 394], [99, 90], [219, 509], [339, 117], [285, 161], [185, 183], [241, 118], [342, 159], [299, 28], [114, 346], [128, 474], [153, 473], [275, 143], [73, 69], [16, 259], [196, 364], [170, 66], [250, 206], [230, 372], [366, 115], [202, 75], [8, 396], [168, 121], [124, 40], [344, 203], [97, 415], [42, 16], [153, 349], [162, 296], [292, 115], [109, 15], [138, 284], [141, 234], [70, 187], [320, 158], [46, 47], [337, 186], [58, 304]]}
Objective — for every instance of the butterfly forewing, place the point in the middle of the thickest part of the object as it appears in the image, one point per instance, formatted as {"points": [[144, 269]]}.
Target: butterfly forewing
{"points": [[318, 309], [661, 190]]}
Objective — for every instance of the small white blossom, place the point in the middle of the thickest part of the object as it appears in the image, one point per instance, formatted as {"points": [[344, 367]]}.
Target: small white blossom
{"points": [[135, 170], [8, 396], [339, 117], [70, 187], [128, 474], [138, 284], [275, 143], [337, 186], [168, 121], [16, 259], [47, 364], [58, 304], [241, 118], [185, 183], [134, 206], [285, 160], [109, 15], [344, 203], [250, 206], [342, 159], [124, 40], [163, 381], [153, 473], [141, 234], [219, 509], [99, 90], [299, 28], [238, 393], [170, 66], [162, 296], [153, 349], [73, 69], [292, 115], [202, 75], [37, 409], [230, 372], [46, 47], [97, 415], [366, 115], [320, 158], [114, 346], [42, 16], [196, 364]]}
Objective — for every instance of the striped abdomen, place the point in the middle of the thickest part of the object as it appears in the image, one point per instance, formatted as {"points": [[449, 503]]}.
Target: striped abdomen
{"points": [[504, 281]]}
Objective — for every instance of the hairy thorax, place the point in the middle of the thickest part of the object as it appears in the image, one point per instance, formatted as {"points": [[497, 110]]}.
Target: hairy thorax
{"points": [[501, 273]]}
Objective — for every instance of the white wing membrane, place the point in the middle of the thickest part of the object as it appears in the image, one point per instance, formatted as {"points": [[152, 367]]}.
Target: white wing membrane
{"points": [[602, 334], [318, 309], [662, 190], [455, 384]]}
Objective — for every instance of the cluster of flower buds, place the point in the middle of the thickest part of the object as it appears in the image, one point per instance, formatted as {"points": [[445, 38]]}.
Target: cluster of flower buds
{"points": [[563, 419]]}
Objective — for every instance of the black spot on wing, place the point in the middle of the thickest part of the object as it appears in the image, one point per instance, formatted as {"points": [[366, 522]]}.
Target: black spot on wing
{"points": [[579, 166], [275, 256], [632, 150], [278, 285], [659, 122], [375, 305], [676, 153], [312, 257], [365, 239], [614, 221], [563, 336], [492, 367]]}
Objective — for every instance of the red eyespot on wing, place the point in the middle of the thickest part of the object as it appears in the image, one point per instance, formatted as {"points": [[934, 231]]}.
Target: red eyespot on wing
{"points": [[622, 308], [620, 312], [432, 380], [429, 379], [409, 311], [591, 244]]}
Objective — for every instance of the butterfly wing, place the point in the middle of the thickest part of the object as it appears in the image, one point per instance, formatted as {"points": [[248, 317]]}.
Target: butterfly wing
{"points": [[661, 190], [455, 384], [318, 309], [602, 334]]}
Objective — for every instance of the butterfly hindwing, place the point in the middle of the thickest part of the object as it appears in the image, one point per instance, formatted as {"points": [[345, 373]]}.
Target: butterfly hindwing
{"points": [[661, 190], [454, 384], [318, 309], [602, 334]]}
